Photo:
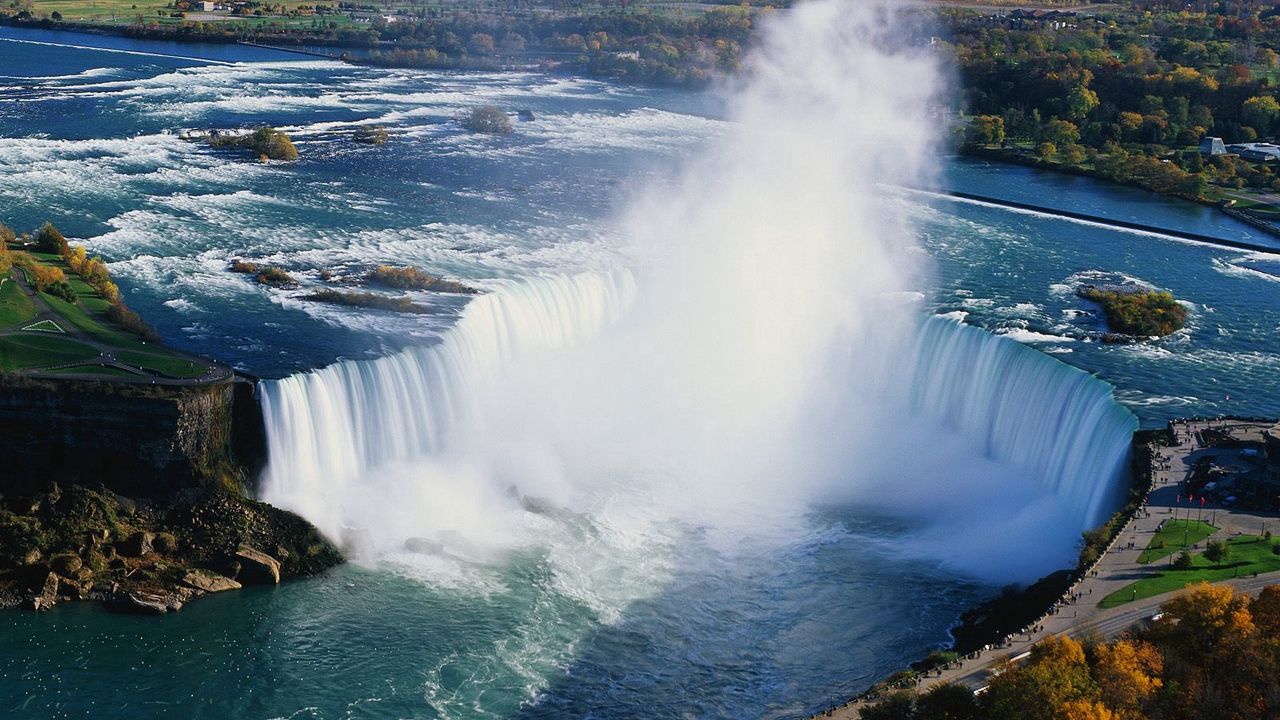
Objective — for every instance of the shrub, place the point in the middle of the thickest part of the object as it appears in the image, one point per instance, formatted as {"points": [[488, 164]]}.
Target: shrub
{"points": [[488, 119], [49, 239], [61, 289], [165, 543], [373, 135], [46, 275], [1183, 561], [6, 234], [130, 321]]}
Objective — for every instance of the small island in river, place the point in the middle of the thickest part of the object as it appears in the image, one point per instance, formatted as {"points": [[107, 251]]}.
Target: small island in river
{"points": [[1137, 312]]}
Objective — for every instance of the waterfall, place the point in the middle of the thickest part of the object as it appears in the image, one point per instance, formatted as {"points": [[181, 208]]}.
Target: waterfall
{"points": [[1023, 407], [331, 429], [328, 427], [770, 356]]}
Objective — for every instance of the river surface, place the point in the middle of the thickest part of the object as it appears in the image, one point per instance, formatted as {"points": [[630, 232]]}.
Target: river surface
{"points": [[88, 140]]}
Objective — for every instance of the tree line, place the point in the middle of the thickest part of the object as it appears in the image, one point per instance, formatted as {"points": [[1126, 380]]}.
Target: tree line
{"points": [[1128, 96]]}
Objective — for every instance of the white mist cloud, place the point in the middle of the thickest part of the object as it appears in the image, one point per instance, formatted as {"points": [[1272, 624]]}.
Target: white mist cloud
{"points": [[756, 360]]}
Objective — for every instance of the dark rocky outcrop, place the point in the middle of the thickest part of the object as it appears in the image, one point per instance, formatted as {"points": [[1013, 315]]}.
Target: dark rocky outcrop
{"points": [[149, 554]]}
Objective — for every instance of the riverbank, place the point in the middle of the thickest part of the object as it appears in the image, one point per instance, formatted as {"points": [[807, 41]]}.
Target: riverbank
{"points": [[995, 624], [1164, 463], [1014, 156]]}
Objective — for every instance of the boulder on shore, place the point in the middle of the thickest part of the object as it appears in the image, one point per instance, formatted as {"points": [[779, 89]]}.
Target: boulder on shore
{"points": [[257, 567], [141, 604], [136, 545], [48, 595], [209, 582]]}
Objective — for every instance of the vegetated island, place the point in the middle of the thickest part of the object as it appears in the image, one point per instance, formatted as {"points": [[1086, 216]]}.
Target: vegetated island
{"points": [[264, 274], [489, 120], [371, 135], [266, 142], [400, 278], [1134, 313], [404, 304], [408, 278], [127, 461]]}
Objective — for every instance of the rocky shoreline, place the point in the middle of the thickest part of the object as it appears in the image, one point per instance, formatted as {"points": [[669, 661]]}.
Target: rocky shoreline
{"points": [[148, 555]]}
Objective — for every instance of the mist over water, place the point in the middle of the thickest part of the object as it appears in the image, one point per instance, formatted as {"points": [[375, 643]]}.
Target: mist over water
{"points": [[759, 357]]}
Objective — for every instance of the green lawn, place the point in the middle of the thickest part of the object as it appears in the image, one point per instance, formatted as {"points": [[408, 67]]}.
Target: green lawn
{"points": [[15, 307], [24, 351], [1170, 539], [95, 370], [88, 297], [97, 329], [1249, 554], [87, 317], [168, 365]]}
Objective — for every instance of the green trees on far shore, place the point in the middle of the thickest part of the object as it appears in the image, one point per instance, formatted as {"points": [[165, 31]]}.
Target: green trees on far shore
{"points": [[1126, 95]]}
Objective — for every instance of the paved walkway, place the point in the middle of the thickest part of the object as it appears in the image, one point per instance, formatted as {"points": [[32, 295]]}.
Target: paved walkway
{"points": [[1078, 614]]}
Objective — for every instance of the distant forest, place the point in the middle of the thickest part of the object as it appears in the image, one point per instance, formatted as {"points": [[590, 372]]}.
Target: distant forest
{"points": [[1127, 96]]}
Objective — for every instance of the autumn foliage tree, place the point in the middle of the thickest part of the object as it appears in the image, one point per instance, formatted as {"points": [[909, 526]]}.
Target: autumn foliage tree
{"points": [[1213, 655]]}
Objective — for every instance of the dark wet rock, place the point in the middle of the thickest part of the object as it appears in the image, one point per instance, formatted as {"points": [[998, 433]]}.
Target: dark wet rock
{"points": [[47, 597], [140, 604], [137, 544]]}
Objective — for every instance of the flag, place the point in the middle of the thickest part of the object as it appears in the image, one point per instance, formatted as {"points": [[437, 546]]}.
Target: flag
{"points": [[1201, 501]]}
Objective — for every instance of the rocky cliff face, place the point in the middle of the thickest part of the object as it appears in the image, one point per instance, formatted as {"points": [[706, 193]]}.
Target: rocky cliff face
{"points": [[138, 440], [133, 495]]}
